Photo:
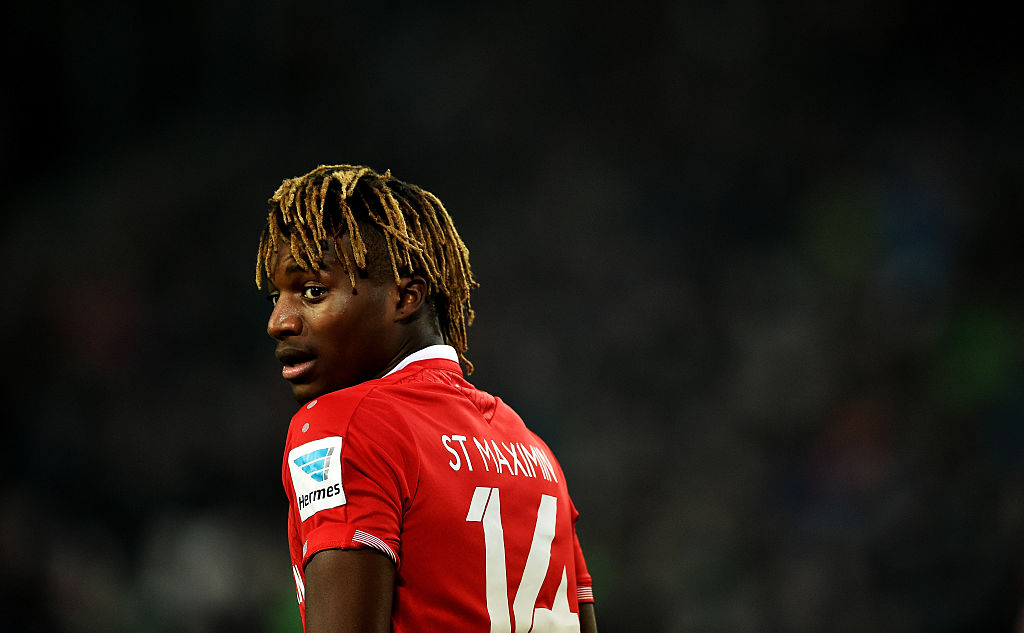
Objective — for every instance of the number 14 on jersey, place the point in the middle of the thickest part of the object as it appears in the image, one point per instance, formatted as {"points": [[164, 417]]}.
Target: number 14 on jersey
{"points": [[485, 508]]}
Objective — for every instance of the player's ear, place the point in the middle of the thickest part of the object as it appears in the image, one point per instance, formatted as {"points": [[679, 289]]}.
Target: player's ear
{"points": [[412, 294]]}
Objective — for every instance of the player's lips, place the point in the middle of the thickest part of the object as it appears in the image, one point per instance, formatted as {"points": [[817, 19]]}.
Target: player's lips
{"points": [[297, 362]]}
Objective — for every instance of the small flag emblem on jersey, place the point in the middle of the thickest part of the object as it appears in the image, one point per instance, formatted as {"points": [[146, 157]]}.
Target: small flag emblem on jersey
{"points": [[316, 464], [316, 475]]}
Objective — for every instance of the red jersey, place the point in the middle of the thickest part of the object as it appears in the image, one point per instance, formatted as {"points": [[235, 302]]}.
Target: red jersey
{"points": [[447, 481]]}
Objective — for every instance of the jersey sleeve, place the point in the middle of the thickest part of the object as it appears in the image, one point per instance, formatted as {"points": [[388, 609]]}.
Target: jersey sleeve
{"points": [[352, 480], [584, 583]]}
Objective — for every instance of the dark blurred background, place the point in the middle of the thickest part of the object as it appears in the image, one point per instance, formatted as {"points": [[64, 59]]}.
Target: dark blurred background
{"points": [[752, 269]]}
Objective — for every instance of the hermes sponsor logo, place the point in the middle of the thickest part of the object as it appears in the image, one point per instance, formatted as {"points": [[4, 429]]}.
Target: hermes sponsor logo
{"points": [[316, 475]]}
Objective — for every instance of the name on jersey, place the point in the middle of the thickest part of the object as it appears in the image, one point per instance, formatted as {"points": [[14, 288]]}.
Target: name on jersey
{"points": [[512, 458]]}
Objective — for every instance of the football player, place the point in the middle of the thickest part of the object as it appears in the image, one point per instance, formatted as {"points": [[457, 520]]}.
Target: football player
{"points": [[417, 502]]}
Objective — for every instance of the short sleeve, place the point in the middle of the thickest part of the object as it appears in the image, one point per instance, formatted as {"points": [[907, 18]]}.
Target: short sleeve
{"points": [[369, 491], [584, 583]]}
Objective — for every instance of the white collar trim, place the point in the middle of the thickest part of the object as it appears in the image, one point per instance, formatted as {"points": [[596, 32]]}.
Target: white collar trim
{"points": [[446, 352]]}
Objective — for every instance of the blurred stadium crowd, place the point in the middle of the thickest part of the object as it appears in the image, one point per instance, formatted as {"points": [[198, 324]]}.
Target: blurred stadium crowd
{"points": [[753, 270]]}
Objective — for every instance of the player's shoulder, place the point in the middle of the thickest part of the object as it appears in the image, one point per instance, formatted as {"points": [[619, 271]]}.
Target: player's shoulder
{"points": [[336, 404], [336, 412], [386, 405]]}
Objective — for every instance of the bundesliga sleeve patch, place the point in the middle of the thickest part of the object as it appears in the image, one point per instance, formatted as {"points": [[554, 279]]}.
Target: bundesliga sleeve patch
{"points": [[316, 475]]}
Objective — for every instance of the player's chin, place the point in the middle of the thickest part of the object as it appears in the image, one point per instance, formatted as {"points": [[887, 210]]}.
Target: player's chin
{"points": [[304, 392], [312, 386]]}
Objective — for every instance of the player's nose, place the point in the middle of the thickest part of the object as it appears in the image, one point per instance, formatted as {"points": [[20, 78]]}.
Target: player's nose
{"points": [[284, 322]]}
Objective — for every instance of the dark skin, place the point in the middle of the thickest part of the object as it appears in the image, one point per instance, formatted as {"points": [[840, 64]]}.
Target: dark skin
{"points": [[331, 336]]}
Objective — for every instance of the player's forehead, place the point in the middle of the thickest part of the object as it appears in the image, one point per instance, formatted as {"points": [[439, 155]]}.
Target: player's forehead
{"points": [[283, 264]]}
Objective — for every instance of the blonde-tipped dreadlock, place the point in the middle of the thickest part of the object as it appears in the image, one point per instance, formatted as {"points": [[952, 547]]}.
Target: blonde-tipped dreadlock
{"points": [[418, 233]]}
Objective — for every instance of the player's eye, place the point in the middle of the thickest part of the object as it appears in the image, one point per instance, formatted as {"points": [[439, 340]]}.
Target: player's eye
{"points": [[312, 293], [272, 298]]}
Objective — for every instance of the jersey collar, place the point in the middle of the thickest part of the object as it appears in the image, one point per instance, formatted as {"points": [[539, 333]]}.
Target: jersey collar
{"points": [[444, 352]]}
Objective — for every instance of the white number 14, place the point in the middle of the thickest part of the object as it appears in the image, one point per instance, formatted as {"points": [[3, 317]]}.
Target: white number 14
{"points": [[485, 508]]}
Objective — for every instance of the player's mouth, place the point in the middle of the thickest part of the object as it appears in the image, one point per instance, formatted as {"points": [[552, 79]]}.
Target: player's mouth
{"points": [[297, 363], [295, 372]]}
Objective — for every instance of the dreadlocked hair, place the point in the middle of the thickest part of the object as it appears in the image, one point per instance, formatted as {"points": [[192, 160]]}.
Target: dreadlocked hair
{"points": [[418, 235]]}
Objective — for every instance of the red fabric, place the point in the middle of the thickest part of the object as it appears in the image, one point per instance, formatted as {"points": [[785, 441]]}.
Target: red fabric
{"points": [[408, 480]]}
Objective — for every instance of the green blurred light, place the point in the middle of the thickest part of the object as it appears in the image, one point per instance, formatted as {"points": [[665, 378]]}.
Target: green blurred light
{"points": [[980, 359]]}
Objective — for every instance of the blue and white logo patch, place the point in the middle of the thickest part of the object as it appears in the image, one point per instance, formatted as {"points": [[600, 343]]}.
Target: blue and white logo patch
{"points": [[316, 475]]}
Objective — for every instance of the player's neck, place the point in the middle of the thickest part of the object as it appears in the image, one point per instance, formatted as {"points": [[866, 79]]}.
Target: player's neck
{"points": [[411, 345]]}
